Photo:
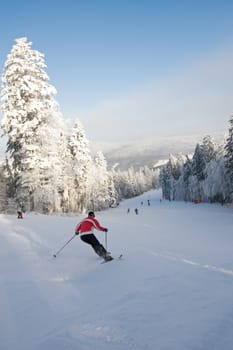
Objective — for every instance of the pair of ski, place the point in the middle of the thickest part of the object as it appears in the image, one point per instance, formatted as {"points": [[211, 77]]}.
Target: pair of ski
{"points": [[110, 258]]}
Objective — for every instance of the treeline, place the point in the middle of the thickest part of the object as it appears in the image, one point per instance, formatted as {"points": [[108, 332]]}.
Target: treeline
{"points": [[205, 176], [48, 166]]}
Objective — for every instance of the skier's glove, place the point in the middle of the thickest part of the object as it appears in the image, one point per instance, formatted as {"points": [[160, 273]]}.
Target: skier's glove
{"points": [[77, 233], [105, 230]]}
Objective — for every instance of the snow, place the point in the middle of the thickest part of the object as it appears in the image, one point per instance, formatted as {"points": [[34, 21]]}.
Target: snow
{"points": [[172, 291]]}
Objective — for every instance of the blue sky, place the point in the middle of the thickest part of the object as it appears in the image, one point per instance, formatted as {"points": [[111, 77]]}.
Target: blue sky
{"points": [[131, 69]]}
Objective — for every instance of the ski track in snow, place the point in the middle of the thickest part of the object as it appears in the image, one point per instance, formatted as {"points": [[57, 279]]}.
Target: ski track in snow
{"points": [[171, 257]]}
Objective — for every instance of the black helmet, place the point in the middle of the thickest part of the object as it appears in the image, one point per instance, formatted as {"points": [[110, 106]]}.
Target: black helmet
{"points": [[91, 213]]}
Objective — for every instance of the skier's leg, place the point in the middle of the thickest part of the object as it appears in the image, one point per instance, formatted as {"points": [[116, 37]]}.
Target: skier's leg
{"points": [[100, 250], [93, 241]]}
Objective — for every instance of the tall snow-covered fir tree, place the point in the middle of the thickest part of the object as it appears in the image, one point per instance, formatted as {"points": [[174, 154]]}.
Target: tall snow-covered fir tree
{"points": [[33, 125], [187, 175], [199, 163], [210, 149], [80, 168], [100, 194]]}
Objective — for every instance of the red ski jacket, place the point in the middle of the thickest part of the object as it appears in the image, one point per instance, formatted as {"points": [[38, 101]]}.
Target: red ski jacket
{"points": [[87, 226]]}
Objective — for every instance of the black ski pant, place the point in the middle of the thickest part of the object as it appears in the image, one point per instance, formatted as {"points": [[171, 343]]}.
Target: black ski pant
{"points": [[93, 241]]}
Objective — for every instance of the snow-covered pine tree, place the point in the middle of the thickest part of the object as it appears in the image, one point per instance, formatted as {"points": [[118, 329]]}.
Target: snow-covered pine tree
{"points": [[169, 174], [229, 160], [32, 123], [209, 155], [114, 197], [187, 177], [3, 188], [100, 194], [165, 179], [199, 163], [80, 169], [64, 185], [209, 148], [214, 187], [117, 180]]}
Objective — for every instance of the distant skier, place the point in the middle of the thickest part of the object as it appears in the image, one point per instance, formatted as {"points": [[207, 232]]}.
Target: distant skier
{"points": [[136, 211], [148, 202], [20, 211], [128, 211], [85, 229], [20, 214]]}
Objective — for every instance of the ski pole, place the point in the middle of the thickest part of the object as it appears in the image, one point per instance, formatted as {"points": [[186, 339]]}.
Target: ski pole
{"points": [[55, 255], [106, 244]]}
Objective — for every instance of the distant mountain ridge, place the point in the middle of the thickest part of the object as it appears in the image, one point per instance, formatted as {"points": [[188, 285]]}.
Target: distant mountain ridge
{"points": [[149, 152]]}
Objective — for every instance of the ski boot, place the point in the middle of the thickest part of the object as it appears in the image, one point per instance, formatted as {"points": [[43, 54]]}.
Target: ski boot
{"points": [[108, 257]]}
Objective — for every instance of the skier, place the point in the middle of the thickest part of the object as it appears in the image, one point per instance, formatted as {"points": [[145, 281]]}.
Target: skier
{"points": [[20, 211], [85, 229], [20, 214]]}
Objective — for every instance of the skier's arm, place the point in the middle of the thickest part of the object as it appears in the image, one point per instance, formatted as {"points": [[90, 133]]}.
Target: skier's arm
{"points": [[77, 228], [99, 227]]}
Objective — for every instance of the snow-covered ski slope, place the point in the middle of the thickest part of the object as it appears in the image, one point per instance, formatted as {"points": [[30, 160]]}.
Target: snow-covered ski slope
{"points": [[172, 291]]}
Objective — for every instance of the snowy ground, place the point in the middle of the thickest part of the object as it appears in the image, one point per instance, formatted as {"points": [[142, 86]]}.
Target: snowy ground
{"points": [[172, 291]]}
